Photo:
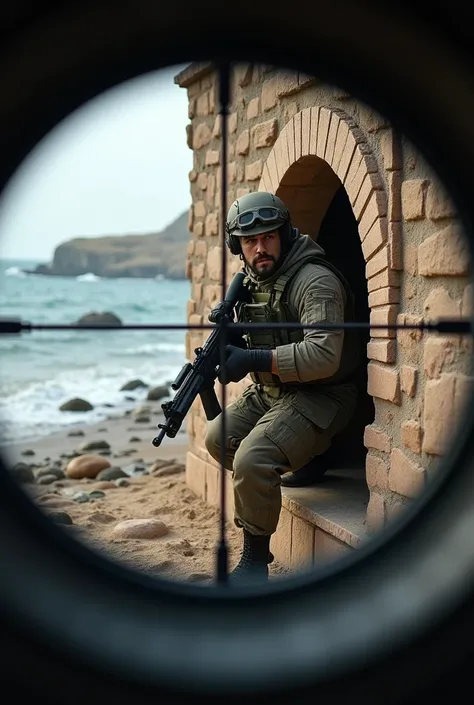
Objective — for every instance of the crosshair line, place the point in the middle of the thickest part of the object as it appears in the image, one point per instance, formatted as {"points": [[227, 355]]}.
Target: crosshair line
{"points": [[459, 326]]}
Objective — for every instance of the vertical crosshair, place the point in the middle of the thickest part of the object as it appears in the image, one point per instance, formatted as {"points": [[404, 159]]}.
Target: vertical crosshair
{"points": [[224, 96]]}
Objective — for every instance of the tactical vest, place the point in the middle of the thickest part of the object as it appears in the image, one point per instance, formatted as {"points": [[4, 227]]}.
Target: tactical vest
{"points": [[266, 307]]}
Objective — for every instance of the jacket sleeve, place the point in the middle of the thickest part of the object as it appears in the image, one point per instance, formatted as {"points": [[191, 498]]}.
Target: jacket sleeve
{"points": [[317, 296]]}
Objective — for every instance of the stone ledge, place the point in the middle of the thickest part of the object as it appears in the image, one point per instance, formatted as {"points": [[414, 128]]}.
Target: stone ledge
{"points": [[338, 505], [193, 73], [316, 523]]}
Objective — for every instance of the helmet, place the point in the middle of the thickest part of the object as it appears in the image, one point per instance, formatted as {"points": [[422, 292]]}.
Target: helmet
{"points": [[256, 213]]}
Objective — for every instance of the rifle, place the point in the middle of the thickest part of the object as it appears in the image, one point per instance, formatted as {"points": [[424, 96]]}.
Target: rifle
{"points": [[198, 378]]}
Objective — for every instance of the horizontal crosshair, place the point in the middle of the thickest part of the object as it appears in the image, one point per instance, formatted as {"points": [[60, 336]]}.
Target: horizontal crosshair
{"points": [[459, 326]]}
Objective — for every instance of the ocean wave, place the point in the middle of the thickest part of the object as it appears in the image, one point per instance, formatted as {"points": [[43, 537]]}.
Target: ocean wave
{"points": [[89, 277], [33, 410], [152, 349], [14, 272]]}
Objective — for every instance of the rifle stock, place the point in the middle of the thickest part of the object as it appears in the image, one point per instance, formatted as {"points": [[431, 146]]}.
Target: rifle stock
{"points": [[199, 377]]}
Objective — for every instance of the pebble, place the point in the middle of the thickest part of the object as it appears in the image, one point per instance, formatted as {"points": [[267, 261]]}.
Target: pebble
{"points": [[140, 529], [60, 517], [56, 502], [101, 518], [46, 479], [87, 465], [111, 473], [96, 494], [81, 497], [158, 464], [169, 470], [96, 445], [53, 470]]}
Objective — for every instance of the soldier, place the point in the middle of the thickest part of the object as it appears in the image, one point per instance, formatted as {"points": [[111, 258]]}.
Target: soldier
{"points": [[302, 394]]}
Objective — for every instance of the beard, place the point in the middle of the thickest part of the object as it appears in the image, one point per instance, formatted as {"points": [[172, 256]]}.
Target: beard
{"points": [[263, 267]]}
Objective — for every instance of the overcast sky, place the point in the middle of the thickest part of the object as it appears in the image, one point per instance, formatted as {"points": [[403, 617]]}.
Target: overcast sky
{"points": [[118, 165]]}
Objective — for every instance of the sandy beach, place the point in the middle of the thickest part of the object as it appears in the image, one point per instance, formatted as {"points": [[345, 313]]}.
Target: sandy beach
{"points": [[138, 509]]}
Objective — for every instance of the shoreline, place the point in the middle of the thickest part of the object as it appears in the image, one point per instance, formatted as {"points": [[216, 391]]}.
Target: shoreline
{"points": [[146, 518], [119, 429]]}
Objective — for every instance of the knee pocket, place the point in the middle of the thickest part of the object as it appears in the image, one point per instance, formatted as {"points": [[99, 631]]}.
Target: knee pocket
{"points": [[297, 436]]}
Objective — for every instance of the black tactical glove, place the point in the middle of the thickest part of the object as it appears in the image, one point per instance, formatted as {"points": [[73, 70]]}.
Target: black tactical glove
{"points": [[240, 362]]}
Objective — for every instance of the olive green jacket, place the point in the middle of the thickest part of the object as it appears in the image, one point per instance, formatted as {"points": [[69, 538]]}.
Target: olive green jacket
{"points": [[314, 293]]}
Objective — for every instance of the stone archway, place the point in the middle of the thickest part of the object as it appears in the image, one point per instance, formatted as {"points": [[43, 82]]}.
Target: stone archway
{"points": [[332, 137], [319, 155]]}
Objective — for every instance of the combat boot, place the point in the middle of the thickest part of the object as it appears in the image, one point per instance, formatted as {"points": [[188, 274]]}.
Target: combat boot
{"points": [[310, 474], [254, 561]]}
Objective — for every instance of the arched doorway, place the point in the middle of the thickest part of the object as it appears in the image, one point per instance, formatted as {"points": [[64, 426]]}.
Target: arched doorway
{"points": [[321, 168]]}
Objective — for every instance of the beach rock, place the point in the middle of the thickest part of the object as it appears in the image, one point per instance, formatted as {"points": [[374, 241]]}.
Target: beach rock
{"points": [[140, 529], [128, 398], [95, 445], [133, 384], [169, 470], [28, 451], [122, 482], [100, 518], [76, 433], [57, 502], [104, 485], [96, 494], [111, 473], [49, 495], [135, 439], [95, 318], [46, 479], [76, 404], [22, 473], [56, 472], [160, 463], [157, 393], [87, 465], [81, 497], [60, 517]]}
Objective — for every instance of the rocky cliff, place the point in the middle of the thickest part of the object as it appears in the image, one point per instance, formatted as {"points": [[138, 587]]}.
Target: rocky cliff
{"points": [[162, 253]]}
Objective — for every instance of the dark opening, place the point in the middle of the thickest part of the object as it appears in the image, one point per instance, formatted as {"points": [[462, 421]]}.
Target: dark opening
{"points": [[339, 237]]}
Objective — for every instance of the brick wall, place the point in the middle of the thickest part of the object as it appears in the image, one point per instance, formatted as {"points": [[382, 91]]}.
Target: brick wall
{"points": [[296, 136]]}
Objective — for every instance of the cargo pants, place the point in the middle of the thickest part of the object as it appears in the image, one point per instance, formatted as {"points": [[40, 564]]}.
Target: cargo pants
{"points": [[267, 436]]}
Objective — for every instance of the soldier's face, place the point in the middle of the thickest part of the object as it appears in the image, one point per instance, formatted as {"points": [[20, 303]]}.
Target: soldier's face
{"points": [[262, 252]]}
